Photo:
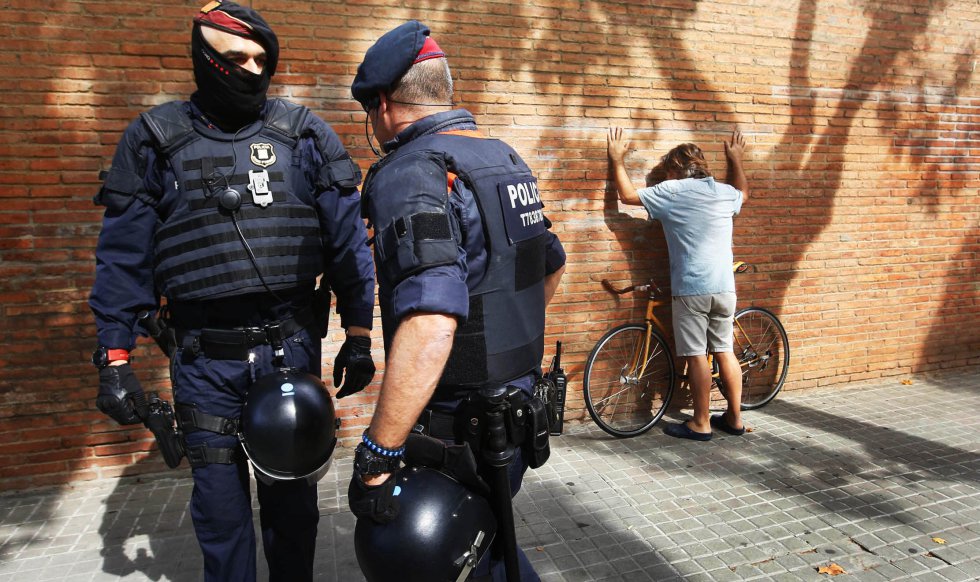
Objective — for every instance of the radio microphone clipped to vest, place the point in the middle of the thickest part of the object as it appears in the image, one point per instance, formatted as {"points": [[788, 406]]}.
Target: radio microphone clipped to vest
{"points": [[230, 199]]}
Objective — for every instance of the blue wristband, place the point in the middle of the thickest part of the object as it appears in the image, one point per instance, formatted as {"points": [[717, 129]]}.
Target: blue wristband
{"points": [[379, 450]]}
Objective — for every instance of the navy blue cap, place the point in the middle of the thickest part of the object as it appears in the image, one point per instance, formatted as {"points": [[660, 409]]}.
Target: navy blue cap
{"points": [[387, 61]]}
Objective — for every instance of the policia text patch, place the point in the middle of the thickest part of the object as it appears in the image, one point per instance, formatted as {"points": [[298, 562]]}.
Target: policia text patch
{"points": [[521, 206]]}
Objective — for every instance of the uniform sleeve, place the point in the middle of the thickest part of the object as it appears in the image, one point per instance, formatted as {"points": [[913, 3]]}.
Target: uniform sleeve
{"points": [[554, 258], [348, 267], [421, 236], [124, 253]]}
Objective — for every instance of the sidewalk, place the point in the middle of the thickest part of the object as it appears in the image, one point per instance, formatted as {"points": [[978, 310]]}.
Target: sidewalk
{"points": [[871, 477]]}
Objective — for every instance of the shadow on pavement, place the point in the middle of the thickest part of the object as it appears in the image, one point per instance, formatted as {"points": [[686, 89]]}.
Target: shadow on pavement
{"points": [[146, 527]]}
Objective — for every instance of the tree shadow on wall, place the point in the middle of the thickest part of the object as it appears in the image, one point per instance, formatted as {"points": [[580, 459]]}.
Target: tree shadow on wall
{"points": [[538, 59], [813, 153], [74, 97], [797, 203], [957, 311], [810, 153], [919, 140], [797, 198]]}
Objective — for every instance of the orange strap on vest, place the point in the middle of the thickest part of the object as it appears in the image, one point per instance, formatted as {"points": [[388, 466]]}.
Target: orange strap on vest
{"points": [[451, 177], [463, 132]]}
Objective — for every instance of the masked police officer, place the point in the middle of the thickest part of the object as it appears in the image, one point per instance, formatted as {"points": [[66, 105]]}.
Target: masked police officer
{"points": [[466, 266], [230, 206]]}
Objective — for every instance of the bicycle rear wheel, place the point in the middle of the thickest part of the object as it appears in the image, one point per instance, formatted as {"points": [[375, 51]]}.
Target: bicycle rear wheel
{"points": [[762, 349], [625, 393]]}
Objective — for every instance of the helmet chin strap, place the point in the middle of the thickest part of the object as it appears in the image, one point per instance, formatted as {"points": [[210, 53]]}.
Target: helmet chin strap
{"points": [[470, 559]]}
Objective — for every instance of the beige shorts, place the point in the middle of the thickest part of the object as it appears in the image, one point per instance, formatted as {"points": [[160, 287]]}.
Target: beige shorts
{"points": [[703, 323]]}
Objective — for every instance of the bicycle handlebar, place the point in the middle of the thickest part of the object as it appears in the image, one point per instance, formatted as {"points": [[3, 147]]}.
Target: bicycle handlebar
{"points": [[609, 287], [739, 267]]}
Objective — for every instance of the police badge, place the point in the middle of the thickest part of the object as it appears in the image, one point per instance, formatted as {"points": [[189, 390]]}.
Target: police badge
{"points": [[262, 154]]}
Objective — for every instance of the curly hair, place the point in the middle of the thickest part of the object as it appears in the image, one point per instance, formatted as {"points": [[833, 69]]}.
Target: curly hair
{"points": [[685, 161]]}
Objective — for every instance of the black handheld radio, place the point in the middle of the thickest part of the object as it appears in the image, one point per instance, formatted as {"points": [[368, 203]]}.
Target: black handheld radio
{"points": [[557, 375]]}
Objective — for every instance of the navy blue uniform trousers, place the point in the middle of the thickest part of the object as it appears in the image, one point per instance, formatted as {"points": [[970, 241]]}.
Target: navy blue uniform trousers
{"points": [[221, 504]]}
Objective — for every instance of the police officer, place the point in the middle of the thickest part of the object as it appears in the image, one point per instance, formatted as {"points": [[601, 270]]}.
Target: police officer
{"points": [[466, 263], [229, 206]]}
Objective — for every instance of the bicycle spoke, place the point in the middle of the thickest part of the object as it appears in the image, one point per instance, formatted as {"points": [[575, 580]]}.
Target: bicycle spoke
{"points": [[602, 401], [625, 392]]}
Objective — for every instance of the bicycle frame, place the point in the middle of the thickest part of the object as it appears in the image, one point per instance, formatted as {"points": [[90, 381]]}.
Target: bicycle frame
{"points": [[748, 356], [640, 358], [632, 372]]}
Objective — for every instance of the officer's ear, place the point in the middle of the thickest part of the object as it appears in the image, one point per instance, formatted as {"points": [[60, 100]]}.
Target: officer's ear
{"points": [[379, 114], [382, 103]]}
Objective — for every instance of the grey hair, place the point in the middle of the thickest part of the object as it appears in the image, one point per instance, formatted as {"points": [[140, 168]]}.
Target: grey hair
{"points": [[427, 83]]}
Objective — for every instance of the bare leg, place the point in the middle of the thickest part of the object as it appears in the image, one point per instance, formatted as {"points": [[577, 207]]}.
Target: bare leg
{"points": [[731, 377], [699, 378]]}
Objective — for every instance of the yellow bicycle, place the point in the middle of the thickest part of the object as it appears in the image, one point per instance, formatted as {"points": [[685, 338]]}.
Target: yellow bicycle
{"points": [[630, 375]]}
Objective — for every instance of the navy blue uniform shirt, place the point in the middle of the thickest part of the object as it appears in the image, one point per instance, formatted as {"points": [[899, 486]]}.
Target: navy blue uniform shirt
{"points": [[124, 255]]}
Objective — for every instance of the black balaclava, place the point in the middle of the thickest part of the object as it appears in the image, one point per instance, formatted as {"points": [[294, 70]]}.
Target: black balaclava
{"points": [[230, 96]]}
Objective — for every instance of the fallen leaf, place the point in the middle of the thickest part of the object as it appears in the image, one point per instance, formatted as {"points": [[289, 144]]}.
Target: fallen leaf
{"points": [[939, 540], [539, 548], [748, 429], [832, 569], [907, 382]]}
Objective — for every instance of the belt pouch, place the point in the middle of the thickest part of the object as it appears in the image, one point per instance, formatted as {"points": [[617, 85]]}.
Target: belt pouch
{"points": [[536, 447]]}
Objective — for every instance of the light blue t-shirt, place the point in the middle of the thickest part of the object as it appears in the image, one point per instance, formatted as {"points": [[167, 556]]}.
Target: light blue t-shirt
{"points": [[696, 214]]}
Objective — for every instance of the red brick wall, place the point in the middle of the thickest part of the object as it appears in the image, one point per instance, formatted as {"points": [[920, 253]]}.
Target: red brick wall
{"points": [[864, 158]]}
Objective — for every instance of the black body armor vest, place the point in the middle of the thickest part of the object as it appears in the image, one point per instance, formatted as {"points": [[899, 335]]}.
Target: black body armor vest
{"points": [[247, 185], [503, 337]]}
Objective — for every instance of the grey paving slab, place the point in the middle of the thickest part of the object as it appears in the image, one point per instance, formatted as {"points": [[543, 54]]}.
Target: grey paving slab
{"points": [[870, 476]]}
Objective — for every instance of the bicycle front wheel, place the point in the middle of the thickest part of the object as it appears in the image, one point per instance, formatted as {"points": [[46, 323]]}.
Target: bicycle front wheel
{"points": [[628, 382], [762, 350]]}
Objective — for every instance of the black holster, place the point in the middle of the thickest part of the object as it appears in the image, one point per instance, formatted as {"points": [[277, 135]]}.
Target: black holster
{"points": [[536, 448], [158, 416], [321, 309], [190, 419], [160, 331], [525, 421]]}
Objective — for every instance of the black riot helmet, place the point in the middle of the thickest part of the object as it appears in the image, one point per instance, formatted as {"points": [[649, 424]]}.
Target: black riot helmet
{"points": [[288, 426], [441, 532]]}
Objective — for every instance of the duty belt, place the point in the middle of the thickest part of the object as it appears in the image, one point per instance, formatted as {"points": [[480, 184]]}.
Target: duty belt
{"points": [[440, 425], [524, 422], [468, 419], [236, 343]]}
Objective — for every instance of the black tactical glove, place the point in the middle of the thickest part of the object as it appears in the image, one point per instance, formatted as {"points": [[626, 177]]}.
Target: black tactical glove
{"points": [[354, 357], [379, 503], [119, 390], [457, 461]]}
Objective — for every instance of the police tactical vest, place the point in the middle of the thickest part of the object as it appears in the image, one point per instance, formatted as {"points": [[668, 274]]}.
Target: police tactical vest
{"points": [[199, 252], [503, 337]]}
